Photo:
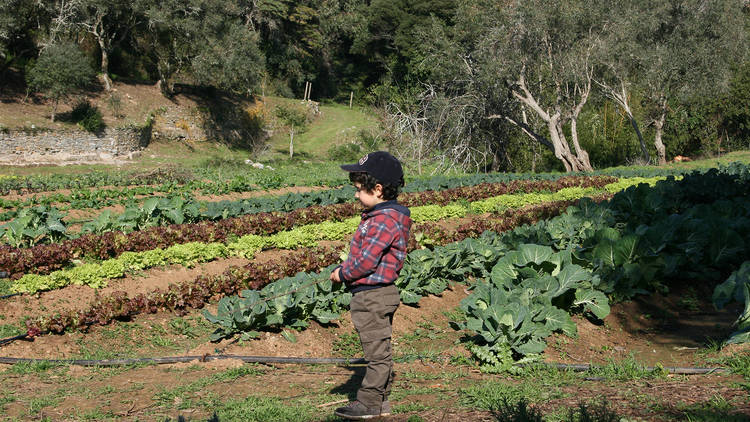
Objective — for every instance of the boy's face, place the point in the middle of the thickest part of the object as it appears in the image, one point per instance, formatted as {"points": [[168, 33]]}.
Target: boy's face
{"points": [[369, 199]]}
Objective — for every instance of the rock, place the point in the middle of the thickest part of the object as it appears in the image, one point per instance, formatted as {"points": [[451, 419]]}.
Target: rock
{"points": [[258, 165]]}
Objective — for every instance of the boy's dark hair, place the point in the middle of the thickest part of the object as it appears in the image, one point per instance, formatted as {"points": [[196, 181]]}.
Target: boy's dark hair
{"points": [[368, 182]]}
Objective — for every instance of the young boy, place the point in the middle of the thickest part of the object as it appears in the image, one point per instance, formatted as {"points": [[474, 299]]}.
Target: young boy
{"points": [[376, 256]]}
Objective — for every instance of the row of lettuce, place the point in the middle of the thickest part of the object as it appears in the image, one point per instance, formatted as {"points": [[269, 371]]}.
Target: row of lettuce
{"points": [[172, 200], [47, 223], [97, 274], [196, 293], [526, 283], [44, 258], [222, 180]]}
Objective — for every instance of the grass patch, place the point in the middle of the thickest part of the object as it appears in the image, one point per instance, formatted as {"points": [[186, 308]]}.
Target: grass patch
{"points": [[738, 363], [36, 367], [489, 395], [176, 395], [38, 403], [410, 407], [717, 409], [262, 409], [347, 345], [7, 330], [626, 370], [425, 330], [5, 398], [442, 375], [5, 285]]}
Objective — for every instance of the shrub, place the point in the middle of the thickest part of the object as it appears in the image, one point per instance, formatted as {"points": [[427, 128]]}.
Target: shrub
{"points": [[365, 141], [88, 117], [60, 70]]}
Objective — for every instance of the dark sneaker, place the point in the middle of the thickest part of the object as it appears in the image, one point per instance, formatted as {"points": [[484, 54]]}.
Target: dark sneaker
{"points": [[358, 411]]}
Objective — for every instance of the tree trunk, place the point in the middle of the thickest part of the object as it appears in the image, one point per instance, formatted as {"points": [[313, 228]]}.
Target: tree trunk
{"points": [[581, 154], [621, 99], [291, 143], [54, 110], [644, 151], [105, 67], [557, 142], [660, 149], [560, 145]]}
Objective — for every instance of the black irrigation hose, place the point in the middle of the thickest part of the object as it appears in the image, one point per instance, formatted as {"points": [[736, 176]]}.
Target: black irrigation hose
{"points": [[11, 339], [182, 359], [10, 295], [575, 367], [315, 361]]}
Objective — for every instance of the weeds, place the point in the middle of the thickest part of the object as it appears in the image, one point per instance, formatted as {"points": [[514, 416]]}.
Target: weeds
{"points": [[263, 409], [347, 345], [488, 395], [627, 369], [7, 330], [504, 411], [717, 409], [35, 367]]}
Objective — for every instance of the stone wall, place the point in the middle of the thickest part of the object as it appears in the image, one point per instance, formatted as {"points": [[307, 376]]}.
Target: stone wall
{"points": [[32, 147]]}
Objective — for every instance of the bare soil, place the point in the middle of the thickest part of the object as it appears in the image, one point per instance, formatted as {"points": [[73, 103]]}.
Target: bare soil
{"points": [[434, 385], [677, 329]]}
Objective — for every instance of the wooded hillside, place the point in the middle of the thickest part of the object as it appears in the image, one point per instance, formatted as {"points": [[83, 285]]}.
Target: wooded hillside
{"points": [[476, 84]]}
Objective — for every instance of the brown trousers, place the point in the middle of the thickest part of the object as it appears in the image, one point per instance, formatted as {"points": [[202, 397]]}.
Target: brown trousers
{"points": [[372, 315]]}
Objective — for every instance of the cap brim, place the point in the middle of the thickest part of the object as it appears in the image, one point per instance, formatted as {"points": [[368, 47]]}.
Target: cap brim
{"points": [[352, 167]]}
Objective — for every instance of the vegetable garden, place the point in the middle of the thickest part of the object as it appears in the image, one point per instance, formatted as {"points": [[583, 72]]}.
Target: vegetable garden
{"points": [[506, 273]]}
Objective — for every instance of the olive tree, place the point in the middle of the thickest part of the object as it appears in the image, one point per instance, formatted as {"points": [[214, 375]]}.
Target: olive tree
{"points": [[672, 51], [109, 22], [61, 70], [542, 50], [230, 59], [203, 40]]}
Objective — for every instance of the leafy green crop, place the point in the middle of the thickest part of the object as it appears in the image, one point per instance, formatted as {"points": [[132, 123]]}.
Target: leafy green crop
{"points": [[289, 302], [503, 202], [736, 287]]}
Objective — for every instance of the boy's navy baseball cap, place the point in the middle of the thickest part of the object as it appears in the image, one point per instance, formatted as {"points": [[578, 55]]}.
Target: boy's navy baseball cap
{"points": [[380, 165]]}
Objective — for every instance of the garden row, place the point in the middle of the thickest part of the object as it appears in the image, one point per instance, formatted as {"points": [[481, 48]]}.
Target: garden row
{"points": [[197, 293], [44, 258], [222, 180], [527, 282], [97, 274], [45, 223], [184, 186], [634, 205]]}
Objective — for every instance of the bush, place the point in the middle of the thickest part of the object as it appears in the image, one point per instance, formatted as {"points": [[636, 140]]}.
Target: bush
{"points": [[364, 143], [88, 117], [61, 70]]}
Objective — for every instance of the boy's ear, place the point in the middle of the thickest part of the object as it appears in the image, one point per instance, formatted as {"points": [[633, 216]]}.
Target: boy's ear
{"points": [[378, 190]]}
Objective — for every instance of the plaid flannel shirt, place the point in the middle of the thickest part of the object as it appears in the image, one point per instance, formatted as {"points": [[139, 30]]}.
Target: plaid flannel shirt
{"points": [[378, 248]]}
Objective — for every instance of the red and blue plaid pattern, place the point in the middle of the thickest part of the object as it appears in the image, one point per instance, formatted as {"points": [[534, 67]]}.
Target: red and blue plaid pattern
{"points": [[378, 249]]}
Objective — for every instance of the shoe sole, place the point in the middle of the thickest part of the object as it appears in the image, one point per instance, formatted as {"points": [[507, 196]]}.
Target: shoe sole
{"points": [[357, 418]]}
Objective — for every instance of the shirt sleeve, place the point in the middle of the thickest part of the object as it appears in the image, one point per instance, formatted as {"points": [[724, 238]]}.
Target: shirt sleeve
{"points": [[375, 241]]}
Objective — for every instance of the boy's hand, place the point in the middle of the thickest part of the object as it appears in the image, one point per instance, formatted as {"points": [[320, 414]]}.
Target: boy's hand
{"points": [[335, 277]]}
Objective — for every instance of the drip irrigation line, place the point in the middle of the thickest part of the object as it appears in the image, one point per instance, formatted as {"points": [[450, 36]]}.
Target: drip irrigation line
{"points": [[14, 338], [10, 295], [309, 361], [183, 359]]}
